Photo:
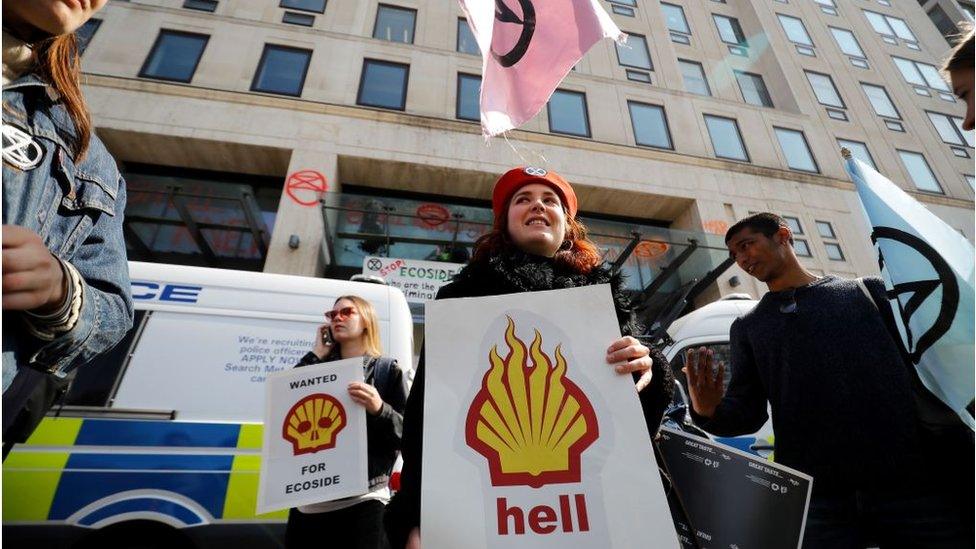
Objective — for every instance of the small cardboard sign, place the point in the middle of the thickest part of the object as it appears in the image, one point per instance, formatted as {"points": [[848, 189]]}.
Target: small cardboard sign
{"points": [[314, 437]]}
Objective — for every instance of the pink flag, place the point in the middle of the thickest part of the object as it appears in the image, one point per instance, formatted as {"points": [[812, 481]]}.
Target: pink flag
{"points": [[527, 48]]}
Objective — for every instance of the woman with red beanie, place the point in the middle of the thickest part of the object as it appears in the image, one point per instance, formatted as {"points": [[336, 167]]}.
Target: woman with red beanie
{"points": [[536, 244]]}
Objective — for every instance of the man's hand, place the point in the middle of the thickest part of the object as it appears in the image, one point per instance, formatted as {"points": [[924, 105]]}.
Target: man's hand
{"points": [[705, 387], [32, 277]]}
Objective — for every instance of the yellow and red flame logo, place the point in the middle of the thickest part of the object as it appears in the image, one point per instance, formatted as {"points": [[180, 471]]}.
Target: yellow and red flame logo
{"points": [[530, 423], [313, 423]]}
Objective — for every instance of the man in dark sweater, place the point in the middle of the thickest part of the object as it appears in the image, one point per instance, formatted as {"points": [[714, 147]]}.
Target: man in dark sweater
{"points": [[842, 397]]}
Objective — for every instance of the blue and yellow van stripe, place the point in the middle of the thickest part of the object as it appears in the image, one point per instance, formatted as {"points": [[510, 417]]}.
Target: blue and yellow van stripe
{"points": [[70, 463]]}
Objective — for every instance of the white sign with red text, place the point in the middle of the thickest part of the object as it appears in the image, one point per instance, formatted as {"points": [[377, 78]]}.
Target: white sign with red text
{"points": [[531, 440]]}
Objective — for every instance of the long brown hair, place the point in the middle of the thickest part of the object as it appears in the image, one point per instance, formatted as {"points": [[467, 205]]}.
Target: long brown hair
{"points": [[59, 63], [578, 253], [371, 326]]}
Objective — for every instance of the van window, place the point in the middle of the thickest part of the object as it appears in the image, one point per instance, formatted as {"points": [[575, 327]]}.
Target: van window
{"points": [[94, 381], [722, 354]]}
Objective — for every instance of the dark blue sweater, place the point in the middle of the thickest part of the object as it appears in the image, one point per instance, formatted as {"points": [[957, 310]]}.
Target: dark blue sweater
{"points": [[837, 383]]}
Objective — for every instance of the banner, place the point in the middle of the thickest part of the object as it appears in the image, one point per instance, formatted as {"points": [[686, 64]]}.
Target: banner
{"points": [[314, 437], [731, 498], [418, 280], [527, 48], [929, 271], [531, 440]]}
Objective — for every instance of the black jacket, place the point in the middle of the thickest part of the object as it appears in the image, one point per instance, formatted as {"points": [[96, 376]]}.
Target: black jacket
{"points": [[384, 430], [514, 273]]}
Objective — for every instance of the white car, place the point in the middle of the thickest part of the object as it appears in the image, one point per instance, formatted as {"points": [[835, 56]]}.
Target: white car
{"points": [[709, 327]]}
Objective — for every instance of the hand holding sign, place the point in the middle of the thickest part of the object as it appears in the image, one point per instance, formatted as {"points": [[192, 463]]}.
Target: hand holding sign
{"points": [[705, 384]]}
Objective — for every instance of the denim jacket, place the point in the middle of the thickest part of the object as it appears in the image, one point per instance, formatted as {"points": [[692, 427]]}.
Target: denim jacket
{"points": [[76, 208]]}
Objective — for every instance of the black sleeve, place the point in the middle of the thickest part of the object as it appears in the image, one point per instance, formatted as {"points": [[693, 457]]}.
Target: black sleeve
{"points": [[387, 426], [743, 409], [656, 397], [309, 358], [403, 511]]}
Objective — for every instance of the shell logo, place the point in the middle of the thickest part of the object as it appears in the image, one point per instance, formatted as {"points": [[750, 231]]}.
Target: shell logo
{"points": [[651, 248], [531, 423], [313, 423]]}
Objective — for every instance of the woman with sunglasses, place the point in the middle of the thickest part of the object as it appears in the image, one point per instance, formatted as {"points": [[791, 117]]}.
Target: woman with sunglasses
{"points": [[352, 331], [535, 244]]}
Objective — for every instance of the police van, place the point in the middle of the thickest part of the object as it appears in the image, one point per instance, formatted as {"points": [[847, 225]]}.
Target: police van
{"points": [[159, 440], [709, 327]]}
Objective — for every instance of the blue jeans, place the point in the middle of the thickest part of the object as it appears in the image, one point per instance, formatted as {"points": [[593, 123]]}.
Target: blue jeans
{"points": [[922, 516]]}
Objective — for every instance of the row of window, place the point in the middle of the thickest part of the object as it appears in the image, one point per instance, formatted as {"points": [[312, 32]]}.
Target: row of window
{"points": [[826, 231], [383, 84]]}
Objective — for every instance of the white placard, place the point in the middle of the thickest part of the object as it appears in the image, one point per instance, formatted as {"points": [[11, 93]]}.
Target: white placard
{"points": [[418, 280], [530, 438], [314, 437]]}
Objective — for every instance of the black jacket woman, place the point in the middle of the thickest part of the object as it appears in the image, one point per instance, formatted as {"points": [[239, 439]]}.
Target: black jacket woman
{"points": [[352, 331], [536, 244]]}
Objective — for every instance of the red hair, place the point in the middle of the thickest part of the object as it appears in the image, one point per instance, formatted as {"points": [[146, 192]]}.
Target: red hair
{"points": [[581, 256]]}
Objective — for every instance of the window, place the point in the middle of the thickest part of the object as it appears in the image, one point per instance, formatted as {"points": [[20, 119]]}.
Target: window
{"points": [[677, 23], [794, 224], [950, 129], [753, 89], [295, 18], [394, 24], [891, 27], [827, 6], [202, 5], [801, 247], [795, 30], [923, 77], [833, 251], [650, 125], [848, 44], [174, 56], [468, 97], [825, 229], [796, 150], [383, 84], [282, 70], [465, 38], [567, 113], [825, 90], [694, 77], [318, 6], [920, 172], [730, 32], [726, 139], [880, 101], [625, 9], [634, 53], [859, 151], [971, 180], [86, 32]]}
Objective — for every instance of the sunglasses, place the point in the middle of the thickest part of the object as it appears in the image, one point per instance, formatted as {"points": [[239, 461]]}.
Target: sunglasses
{"points": [[344, 312]]}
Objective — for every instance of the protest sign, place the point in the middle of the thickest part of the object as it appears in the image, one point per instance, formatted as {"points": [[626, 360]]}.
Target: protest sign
{"points": [[530, 438], [314, 437], [418, 280], [731, 498]]}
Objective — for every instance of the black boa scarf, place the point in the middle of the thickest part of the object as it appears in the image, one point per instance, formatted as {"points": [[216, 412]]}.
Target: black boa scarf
{"points": [[517, 272]]}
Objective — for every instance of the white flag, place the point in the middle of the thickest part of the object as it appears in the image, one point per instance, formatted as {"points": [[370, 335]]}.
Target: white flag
{"points": [[928, 268]]}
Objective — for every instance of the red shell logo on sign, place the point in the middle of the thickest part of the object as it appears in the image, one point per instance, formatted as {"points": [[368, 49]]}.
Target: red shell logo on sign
{"points": [[716, 227], [650, 248], [306, 187], [433, 215], [313, 423]]}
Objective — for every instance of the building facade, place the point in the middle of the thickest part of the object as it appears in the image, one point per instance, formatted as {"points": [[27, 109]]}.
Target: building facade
{"points": [[305, 136]]}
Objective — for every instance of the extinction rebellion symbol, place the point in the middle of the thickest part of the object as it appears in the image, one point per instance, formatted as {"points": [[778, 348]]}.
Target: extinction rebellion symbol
{"points": [[504, 14], [374, 264], [920, 290]]}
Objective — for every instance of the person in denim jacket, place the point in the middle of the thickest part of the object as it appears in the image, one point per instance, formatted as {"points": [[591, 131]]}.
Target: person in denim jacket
{"points": [[66, 292]]}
